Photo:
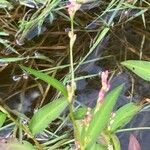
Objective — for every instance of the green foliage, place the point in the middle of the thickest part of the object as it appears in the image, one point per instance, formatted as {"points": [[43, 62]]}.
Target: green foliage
{"points": [[8, 60], [96, 146], [50, 80], [80, 113], [2, 33], [37, 19], [2, 118], [47, 114], [115, 142], [141, 68], [15, 59], [123, 115], [15, 145], [101, 117], [5, 42], [5, 4]]}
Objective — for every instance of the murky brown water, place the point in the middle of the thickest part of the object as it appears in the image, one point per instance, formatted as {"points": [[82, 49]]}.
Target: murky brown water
{"points": [[123, 42]]}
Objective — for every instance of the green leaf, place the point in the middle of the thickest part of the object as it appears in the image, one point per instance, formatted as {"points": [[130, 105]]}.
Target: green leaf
{"points": [[115, 141], [13, 59], [101, 116], [5, 4], [2, 33], [80, 113], [123, 115], [141, 68], [48, 79], [15, 145], [96, 146], [2, 118], [47, 114]]}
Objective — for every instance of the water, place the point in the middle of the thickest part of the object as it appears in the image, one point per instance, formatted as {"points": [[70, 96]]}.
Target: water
{"points": [[123, 42]]}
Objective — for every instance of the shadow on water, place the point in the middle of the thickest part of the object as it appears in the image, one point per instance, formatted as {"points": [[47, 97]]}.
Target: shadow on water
{"points": [[122, 43]]}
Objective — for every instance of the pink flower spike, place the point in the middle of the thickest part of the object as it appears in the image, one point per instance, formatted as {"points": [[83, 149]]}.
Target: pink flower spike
{"points": [[101, 95], [73, 6], [104, 77], [133, 143], [105, 86]]}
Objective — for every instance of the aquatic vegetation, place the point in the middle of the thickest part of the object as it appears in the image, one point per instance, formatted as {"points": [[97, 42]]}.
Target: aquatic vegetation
{"points": [[46, 46]]}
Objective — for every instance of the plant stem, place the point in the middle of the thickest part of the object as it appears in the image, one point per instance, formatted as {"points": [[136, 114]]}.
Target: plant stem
{"points": [[72, 40], [133, 129], [73, 86]]}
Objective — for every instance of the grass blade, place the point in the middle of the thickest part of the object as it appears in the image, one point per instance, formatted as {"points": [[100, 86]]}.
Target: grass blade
{"points": [[12, 59], [48, 79], [2, 118]]}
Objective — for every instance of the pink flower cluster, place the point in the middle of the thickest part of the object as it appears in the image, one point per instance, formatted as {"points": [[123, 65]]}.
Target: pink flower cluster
{"points": [[105, 86], [73, 6]]}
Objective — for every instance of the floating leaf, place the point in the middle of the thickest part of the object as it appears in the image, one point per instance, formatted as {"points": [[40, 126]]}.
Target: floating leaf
{"points": [[2, 118], [133, 143], [102, 116], [141, 68], [15, 145], [48, 79], [47, 114], [123, 115]]}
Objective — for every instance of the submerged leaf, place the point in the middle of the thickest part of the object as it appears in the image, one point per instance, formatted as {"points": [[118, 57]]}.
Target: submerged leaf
{"points": [[133, 143], [141, 68], [48, 79], [101, 117], [123, 115], [47, 114], [2, 118]]}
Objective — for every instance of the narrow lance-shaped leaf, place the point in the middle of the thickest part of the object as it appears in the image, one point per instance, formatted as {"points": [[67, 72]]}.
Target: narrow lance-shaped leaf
{"points": [[12, 59], [47, 114], [102, 116], [48, 79], [2, 118], [141, 68], [123, 115]]}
